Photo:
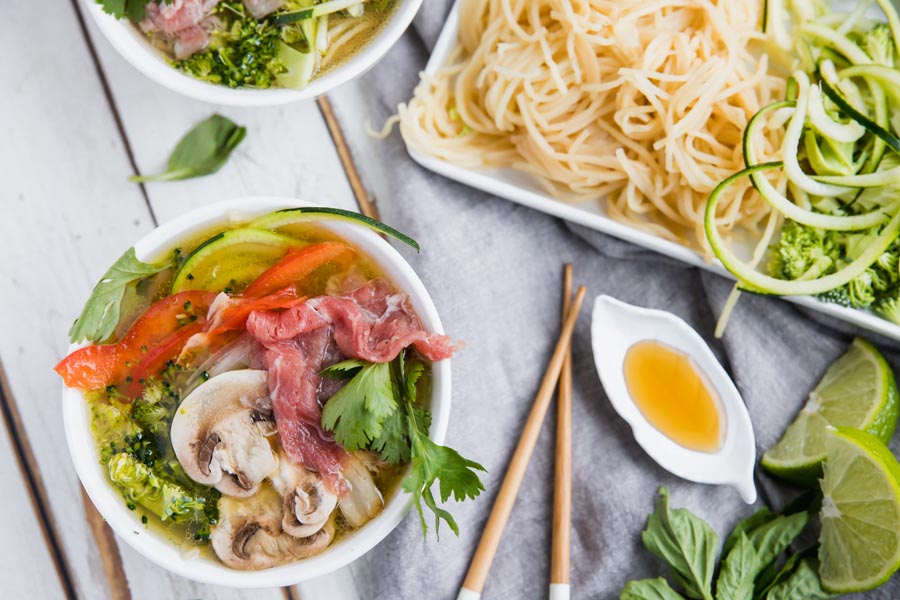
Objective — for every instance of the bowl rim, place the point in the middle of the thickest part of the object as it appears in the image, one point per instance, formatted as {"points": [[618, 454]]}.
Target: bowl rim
{"points": [[149, 542], [142, 56]]}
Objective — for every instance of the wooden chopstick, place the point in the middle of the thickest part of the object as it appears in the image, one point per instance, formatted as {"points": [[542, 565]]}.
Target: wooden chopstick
{"points": [[562, 476], [506, 497]]}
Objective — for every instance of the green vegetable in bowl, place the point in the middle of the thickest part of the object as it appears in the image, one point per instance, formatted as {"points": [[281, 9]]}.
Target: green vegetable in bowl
{"points": [[246, 53], [100, 316], [377, 409]]}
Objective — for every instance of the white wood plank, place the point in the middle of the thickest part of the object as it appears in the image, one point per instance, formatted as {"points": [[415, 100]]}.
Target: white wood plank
{"points": [[27, 570], [67, 209]]}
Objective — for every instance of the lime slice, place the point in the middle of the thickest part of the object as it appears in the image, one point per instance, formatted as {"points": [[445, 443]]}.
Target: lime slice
{"points": [[860, 539], [858, 391], [231, 260], [283, 219]]}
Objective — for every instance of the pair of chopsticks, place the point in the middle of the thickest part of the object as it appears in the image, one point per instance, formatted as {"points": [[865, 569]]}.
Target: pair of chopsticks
{"points": [[559, 370]]}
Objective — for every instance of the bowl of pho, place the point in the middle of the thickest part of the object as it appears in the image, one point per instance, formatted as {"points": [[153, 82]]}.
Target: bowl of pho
{"points": [[253, 52], [253, 388]]}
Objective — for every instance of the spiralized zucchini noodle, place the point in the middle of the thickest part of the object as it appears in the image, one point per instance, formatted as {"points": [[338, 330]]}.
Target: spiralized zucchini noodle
{"points": [[639, 105]]}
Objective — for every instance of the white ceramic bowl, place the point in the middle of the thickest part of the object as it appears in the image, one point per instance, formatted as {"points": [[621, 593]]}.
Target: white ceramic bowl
{"points": [[152, 544], [137, 50]]}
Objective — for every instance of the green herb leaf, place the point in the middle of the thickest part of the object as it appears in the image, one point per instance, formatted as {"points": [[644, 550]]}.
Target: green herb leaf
{"points": [[803, 584], [454, 474], [754, 552], [739, 571], [133, 9], [431, 463], [377, 409], [393, 443], [765, 584], [202, 151], [686, 542], [100, 315], [649, 589], [760, 517], [356, 412]]}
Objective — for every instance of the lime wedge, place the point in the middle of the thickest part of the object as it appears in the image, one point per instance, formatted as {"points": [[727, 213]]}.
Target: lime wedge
{"points": [[858, 391], [860, 539], [231, 260]]}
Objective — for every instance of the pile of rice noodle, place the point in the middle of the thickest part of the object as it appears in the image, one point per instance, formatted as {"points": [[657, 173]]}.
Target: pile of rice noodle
{"points": [[639, 103]]}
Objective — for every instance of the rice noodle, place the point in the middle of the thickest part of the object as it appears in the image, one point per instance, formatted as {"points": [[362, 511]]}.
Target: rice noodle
{"points": [[640, 103]]}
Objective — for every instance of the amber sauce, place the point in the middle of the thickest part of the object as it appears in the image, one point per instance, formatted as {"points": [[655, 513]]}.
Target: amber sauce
{"points": [[674, 395]]}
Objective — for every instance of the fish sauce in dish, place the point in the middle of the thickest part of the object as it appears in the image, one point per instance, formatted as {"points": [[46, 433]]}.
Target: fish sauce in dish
{"points": [[674, 395], [229, 403]]}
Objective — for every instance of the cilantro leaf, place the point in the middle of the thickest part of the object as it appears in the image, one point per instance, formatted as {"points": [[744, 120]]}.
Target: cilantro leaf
{"points": [[356, 412], [202, 151], [393, 443], [377, 409], [133, 9], [454, 474], [100, 315]]}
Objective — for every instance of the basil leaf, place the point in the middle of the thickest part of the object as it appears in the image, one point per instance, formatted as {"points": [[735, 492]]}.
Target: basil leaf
{"points": [[755, 551], [739, 570], [803, 584], [777, 576], [649, 589], [760, 517], [100, 315], [686, 542], [202, 151]]}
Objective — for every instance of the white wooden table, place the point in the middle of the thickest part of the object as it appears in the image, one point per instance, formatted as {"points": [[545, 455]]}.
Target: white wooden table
{"points": [[75, 121]]}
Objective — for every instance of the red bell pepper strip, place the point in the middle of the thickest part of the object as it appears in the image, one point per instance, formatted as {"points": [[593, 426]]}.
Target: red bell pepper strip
{"points": [[155, 361], [98, 366], [296, 265]]}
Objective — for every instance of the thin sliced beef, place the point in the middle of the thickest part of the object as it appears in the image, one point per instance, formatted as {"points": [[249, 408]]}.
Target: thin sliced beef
{"points": [[296, 390], [180, 23], [370, 323]]}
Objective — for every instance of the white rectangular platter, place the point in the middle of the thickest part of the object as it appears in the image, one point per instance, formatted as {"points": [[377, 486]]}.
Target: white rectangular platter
{"points": [[518, 187]]}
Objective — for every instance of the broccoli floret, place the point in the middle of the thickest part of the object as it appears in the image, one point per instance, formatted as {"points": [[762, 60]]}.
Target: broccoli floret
{"points": [[243, 54], [888, 306], [804, 252], [111, 428], [153, 411], [140, 485], [879, 44], [861, 290], [836, 296]]}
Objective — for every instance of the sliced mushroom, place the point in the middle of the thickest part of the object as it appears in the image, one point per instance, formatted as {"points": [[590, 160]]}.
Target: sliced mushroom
{"points": [[249, 535], [307, 502], [363, 500], [220, 431]]}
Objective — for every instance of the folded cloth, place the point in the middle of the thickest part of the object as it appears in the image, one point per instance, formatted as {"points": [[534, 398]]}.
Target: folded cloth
{"points": [[494, 270]]}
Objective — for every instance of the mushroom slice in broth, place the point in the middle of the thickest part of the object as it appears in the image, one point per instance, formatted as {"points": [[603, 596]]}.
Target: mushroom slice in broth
{"points": [[249, 535], [219, 433], [308, 504]]}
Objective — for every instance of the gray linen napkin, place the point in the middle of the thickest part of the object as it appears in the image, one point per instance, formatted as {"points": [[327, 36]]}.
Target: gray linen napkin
{"points": [[494, 271]]}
